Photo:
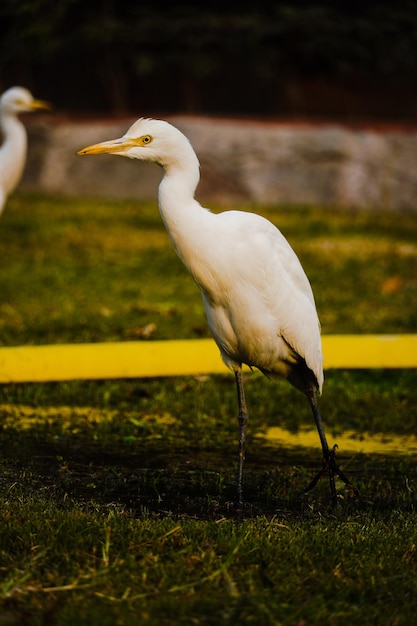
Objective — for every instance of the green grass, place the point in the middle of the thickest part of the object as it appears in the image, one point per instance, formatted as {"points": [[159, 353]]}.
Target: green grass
{"points": [[102, 270], [116, 497]]}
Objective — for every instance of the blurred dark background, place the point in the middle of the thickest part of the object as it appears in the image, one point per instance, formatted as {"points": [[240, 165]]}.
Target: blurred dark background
{"points": [[348, 61]]}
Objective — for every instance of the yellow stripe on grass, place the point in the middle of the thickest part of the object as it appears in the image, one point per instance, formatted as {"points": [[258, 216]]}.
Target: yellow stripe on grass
{"points": [[369, 351], [131, 359], [183, 357]]}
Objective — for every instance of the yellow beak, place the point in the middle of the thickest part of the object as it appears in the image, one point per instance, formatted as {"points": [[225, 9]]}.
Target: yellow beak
{"points": [[108, 147], [37, 105]]}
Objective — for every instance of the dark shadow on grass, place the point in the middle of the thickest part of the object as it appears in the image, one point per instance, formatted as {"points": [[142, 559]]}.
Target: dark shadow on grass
{"points": [[193, 482]]}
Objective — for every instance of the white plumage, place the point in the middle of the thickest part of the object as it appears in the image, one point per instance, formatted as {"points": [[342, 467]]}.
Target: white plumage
{"points": [[259, 303], [14, 147]]}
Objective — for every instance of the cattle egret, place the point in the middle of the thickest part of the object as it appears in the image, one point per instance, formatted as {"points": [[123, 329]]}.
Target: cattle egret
{"points": [[258, 301], [14, 148]]}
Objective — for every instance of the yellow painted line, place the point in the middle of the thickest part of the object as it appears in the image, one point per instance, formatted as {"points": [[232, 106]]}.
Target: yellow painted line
{"points": [[139, 359], [131, 359], [348, 441], [369, 351]]}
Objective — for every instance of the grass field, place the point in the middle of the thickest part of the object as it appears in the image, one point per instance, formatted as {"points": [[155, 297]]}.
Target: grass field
{"points": [[117, 495]]}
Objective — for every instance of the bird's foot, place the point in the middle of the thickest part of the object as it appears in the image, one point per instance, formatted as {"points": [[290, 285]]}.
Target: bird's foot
{"points": [[331, 469]]}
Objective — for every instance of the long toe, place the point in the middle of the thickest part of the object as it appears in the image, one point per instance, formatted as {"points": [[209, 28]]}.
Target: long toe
{"points": [[331, 469]]}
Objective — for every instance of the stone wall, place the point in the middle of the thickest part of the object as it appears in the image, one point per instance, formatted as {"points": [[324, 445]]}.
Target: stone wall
{"points": [[241, 161]]}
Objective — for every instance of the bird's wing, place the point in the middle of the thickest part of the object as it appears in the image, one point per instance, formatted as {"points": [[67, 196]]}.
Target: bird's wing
{"points": [[271, 269], [296, 310]]}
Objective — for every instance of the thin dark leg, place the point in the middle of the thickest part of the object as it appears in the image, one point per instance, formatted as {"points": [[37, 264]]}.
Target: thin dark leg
{"points": [[243, 421], [330, 466]]}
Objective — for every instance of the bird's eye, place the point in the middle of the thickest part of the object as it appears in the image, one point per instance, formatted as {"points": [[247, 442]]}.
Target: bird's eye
{"points": [[146, 139]]}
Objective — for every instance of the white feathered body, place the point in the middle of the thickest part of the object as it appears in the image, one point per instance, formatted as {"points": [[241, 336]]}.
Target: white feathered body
{"points": [[13, 153], [13, 150], [258, 300]]}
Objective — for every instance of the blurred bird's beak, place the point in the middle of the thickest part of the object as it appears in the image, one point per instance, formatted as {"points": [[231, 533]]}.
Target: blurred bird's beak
{"points": [[107, 147], [38, 105]]}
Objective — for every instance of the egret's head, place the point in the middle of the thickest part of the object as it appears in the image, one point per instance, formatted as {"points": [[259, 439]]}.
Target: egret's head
{"points": [[20, 100], [147, 140]]}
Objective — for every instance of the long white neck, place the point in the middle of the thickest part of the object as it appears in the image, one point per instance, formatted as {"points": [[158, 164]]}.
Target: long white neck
{"points": [[183, 216], [12, 152]]}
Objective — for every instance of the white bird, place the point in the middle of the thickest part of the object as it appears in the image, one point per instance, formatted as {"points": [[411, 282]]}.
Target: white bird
{"points": [[258, 301], [14, 147]]}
